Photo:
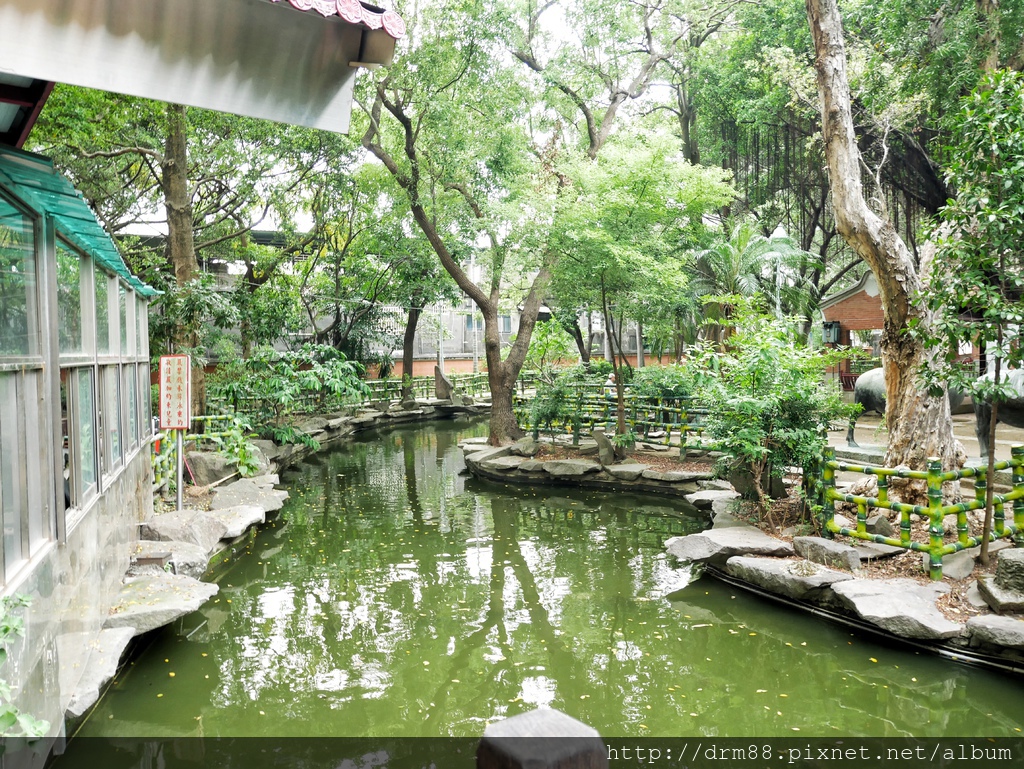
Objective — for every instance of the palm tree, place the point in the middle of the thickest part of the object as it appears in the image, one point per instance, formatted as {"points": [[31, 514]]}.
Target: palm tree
{"points": [[749, 263]]}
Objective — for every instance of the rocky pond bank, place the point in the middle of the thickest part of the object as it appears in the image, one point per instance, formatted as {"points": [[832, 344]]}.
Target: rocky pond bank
{"points": [[813, 573]]}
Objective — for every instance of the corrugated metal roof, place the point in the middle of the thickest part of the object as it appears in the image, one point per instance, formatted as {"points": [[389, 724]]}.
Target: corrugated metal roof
{"points": [[34, 179]]}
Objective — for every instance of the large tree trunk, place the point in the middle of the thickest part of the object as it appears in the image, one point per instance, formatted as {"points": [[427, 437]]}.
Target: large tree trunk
{"points": [[919, 424], [180, 249], [411, 322]]}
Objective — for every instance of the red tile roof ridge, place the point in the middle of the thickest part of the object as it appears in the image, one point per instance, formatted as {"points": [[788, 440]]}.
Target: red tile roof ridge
{"points": [[354, 12]]}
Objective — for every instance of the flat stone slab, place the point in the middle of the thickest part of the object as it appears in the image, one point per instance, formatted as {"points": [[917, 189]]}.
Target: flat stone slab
{"points": [[674, 476], [186, 525], [486, 453], [723, 518], [902, 607], [503, 464], [872, 551], [151, 601], [800, 580], [239, 518], [532, 466], [827, 552], [719, 545], [998, 631], [570, 468], [705, 500], [266, 481], [625, 472], [104, 656], [245, 492], [186, 557]]}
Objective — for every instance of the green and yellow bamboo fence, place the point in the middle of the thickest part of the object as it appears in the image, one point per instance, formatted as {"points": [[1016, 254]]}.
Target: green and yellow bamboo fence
{"points": [[217, 428], [935, 512], [644, 415]]}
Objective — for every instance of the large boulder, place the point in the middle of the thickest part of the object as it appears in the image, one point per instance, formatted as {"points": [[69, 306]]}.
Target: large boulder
{"points": [[606, 450], [209, 467], [800, 580], [186, 525], [717, 546], [443, 387], [902, 607]]}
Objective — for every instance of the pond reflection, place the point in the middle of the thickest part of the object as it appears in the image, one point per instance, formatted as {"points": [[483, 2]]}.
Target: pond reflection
{"points": [[395, 596]]}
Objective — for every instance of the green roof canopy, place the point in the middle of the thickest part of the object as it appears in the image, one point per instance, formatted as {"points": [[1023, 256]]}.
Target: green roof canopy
{"points": [[33, 178]]}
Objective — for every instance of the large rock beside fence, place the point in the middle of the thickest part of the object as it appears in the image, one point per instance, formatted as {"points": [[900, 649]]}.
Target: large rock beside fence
{"points": [[719, 545], [151, 601], [902, 607], [1004, 592], [209, 467], [827, 552], [605, 448], [248, 492], [800, 580], [186, 525], [570, 468], [988, 630], [443, 387]]}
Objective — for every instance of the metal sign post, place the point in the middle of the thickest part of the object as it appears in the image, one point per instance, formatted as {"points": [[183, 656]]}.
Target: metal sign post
{"points": [[176, 407]]}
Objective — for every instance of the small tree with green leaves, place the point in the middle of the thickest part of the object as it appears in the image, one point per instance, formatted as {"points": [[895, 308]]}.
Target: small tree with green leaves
{"points": [[767, 398], [977, 286]]}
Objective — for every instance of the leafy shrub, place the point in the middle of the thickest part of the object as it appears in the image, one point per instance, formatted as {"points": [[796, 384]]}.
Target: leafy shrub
{"points": [[767, 398], [270, 384]]}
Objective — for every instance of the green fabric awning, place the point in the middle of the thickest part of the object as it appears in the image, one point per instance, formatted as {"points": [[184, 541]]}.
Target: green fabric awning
{"points": [[34, 179]]}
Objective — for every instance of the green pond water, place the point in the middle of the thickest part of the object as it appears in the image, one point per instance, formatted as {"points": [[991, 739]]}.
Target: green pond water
{"points": [[395, 596]]}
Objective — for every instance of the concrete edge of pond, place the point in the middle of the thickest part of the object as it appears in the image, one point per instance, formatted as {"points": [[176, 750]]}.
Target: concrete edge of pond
{"points": [[176, 549]]}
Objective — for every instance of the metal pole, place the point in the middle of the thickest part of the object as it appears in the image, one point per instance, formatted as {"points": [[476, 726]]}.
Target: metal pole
{"points": [[181, 467]]}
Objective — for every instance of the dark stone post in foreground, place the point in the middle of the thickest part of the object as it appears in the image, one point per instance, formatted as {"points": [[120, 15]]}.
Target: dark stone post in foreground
{"points": [[541, 739]]}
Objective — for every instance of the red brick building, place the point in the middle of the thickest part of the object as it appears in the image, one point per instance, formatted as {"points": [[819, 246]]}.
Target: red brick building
{"points": [[857, 309]]}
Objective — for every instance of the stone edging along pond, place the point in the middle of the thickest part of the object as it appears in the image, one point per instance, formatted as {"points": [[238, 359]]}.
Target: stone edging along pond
{"points": [[190, 541], [811, 573]]}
